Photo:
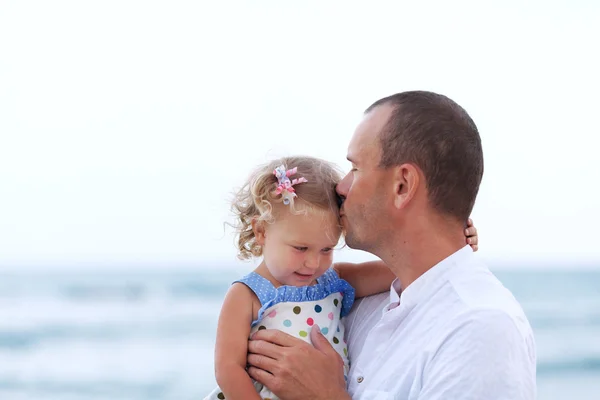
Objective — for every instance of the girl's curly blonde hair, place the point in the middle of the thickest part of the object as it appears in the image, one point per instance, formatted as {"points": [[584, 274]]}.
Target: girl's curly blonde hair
{"points": [[256, 199]]}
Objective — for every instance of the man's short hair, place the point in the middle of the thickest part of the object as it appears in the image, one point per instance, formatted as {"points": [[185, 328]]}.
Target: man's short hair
{"points": [[437, 135]]}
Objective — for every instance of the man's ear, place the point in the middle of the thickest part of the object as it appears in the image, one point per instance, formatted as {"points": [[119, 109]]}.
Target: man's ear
{"points": [[406, 180], [258, 227]]}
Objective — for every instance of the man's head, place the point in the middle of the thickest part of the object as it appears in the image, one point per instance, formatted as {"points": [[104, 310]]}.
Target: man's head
{"points": [[414, 154]]}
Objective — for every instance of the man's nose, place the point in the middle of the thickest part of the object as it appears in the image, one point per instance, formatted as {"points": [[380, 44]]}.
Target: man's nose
{"points": [[342, 187]]}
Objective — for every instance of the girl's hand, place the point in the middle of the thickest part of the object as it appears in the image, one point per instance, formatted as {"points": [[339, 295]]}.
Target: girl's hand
{"points": [[471, 235]]}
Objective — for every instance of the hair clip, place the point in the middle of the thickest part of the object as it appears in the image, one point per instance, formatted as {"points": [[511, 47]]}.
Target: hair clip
{"points": [[285, 186]]}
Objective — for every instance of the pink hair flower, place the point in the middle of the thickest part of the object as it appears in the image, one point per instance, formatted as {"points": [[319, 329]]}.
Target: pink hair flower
{"points": [[285, 185]]}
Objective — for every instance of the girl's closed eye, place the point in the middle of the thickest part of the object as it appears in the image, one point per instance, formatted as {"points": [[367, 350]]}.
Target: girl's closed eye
{"points": [[327, 250], [301, 248]]}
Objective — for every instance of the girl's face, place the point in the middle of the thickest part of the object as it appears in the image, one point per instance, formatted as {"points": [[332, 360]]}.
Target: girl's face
{"points": [[297, 249]]}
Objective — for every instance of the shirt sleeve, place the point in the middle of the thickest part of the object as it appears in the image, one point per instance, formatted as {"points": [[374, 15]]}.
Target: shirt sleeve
{"points": [[484, 356]]}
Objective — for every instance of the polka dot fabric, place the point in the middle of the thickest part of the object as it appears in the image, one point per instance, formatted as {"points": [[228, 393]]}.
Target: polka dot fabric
{"points": [[295, 310], [327, 284]]}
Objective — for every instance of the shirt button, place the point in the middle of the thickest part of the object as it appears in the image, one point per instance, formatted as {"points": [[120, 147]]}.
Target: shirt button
{"points": [[360, 379]]}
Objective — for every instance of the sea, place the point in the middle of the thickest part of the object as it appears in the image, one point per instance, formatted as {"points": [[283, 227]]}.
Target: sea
{"points": [[149, 334]]}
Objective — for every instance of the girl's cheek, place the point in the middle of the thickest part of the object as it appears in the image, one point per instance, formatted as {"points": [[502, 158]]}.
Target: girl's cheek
{"points": [[328, 258], [296, 255]]}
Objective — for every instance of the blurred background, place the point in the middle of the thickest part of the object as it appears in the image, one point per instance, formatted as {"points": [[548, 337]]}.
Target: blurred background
{"points": [[126, 125]]}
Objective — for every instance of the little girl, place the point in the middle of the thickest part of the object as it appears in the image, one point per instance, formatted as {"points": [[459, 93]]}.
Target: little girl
{"points": [[290, 217]]}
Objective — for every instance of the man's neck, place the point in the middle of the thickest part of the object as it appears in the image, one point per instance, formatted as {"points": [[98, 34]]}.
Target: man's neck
{"points": [[416, 251]]}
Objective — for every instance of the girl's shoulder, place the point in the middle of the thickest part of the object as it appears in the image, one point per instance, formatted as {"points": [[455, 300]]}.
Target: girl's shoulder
{"points": [[243, 296]]}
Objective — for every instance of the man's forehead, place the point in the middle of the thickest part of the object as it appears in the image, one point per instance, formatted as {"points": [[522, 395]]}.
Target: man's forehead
{"points": [[366, 135]]}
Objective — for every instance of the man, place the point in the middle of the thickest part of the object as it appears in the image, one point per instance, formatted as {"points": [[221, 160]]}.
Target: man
{"points": [[448, 329]]}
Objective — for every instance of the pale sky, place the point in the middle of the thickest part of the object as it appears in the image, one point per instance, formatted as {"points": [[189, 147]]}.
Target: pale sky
{"points": [[125, 126]]}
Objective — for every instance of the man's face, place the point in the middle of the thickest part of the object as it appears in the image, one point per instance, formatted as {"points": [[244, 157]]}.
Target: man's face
{"points": [[363, 213]]}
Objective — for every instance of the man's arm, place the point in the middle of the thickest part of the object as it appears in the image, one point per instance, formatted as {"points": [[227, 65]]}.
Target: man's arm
{"points": [[486, 356], [295, 370]]}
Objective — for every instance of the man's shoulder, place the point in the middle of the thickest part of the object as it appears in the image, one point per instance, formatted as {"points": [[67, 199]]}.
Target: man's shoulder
{"points": [[482, 297]]}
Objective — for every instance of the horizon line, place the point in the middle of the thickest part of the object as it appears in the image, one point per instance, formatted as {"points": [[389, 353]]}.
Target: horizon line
{"points": [[232, 265]]}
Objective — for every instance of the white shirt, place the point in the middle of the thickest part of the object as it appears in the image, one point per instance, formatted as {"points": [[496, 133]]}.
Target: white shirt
{"points": [[457, 334]]}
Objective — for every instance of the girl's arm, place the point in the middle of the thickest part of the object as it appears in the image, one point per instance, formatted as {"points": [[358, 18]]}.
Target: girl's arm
{"points": [[366, 278], [374, 277], [231, 347]]}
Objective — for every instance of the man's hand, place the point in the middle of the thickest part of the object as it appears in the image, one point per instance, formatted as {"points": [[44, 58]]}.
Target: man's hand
{"points": [[293, 369]]}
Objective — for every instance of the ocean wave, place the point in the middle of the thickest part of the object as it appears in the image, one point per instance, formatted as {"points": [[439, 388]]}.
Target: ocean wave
{"points": [[107, 389], [583, 364], [125, 287], [128, 292], [541, 322], [16, 340], [197, 289], [138, 292]]}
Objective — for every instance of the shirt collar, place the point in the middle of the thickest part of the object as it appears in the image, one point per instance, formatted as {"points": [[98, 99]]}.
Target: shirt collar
{"points": [[426, 283], [394, 296]]}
